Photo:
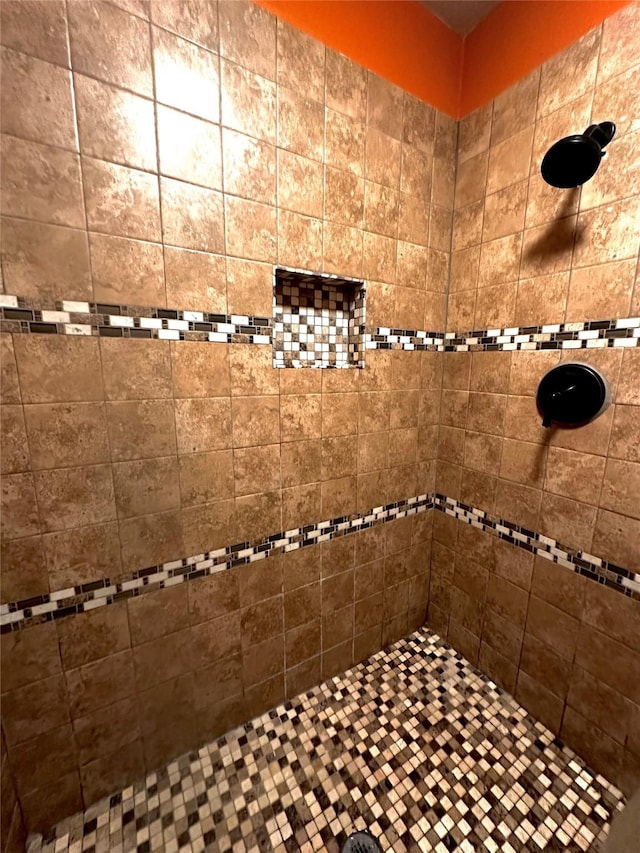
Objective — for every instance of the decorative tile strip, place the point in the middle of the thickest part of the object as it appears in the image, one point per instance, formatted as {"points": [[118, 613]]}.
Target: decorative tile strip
{"points": [[20, 315], [591, 334], [405, 339], [100, 593], [601, 571]]}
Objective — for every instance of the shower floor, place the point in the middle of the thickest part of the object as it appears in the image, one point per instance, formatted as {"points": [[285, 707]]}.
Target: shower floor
{"points": [[414, 745]]}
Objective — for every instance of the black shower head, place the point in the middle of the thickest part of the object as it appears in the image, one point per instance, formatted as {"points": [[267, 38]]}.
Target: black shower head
{"points": [[575, 159]]}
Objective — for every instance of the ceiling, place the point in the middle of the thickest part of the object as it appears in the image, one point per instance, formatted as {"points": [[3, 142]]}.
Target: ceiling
{"points": [[462, 16]]}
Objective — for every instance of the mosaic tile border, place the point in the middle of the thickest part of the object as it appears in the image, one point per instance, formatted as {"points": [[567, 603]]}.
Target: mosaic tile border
{"points": [[99, 593], [591, 334], [25, 316], [415, 745], [79, 599], [20, 315], [319, 320], [616, 577]]}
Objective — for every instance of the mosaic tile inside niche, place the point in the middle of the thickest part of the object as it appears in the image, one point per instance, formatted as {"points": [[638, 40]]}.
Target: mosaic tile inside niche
{"points": [[319, 320], [414, 744]]}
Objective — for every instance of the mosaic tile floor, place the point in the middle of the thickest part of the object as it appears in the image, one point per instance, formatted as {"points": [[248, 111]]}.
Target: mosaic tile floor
{"points": [[414, 744]]}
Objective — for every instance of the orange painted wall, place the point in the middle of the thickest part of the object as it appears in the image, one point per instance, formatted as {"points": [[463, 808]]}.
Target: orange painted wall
{"points": [[403, 42], [398, 39], [517, 37]]}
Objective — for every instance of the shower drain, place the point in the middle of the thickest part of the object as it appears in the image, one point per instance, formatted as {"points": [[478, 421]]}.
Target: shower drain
{"points": [[361, 842]]}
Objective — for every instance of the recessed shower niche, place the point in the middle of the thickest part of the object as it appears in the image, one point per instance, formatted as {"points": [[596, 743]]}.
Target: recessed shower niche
{"points": [[319, 320]]}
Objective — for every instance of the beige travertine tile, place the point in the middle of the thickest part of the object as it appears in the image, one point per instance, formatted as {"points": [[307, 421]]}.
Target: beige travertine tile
{"points": [[619, 96], [338, 497], [146, 486], [300, 184], [192, 216], [206, 477], [256, 469], [346, 86], [15, 451], [109, 190], [625, 434], [300, 462], [58, 369], [135, 370], [300, 417], [515, 108], [299, 236], [301, 505], [252, 371], [9, 384], [256, 420], [74, 497], [209, 526], [487, 413], [24, 573], [203, 424], [467, 225], [339, 457], [542, 299], [602, 291], [523, 462], [339, 414], [248, 36], [382, 158], [608, 233], [382, 209], [111, 45], [384, 105], [619, 42], [509, 161], [196, 281], [629, 388], [251, 229], [141, 429], [413, 220], [504, 211], [440, 224], [570, 74], [300, 61], [186, 76], [474, 132], [36, 100], [248, 102], [343, 197], [189, 148], [127, 272], [471, 180], [65, 434], [419, 124], [82, 555], [200, 369], [41, 261], [115, 125], [413, 265], [197, 21], [615, 537], [610, 184], [574, 475], [464, 269], [344, 142], [495, 306], [151, 539], [39, 29], [300, 122], [621, 487], [342, 250], [523, 420], [19, 506], [590, 438], [547, 248], [41, 182], [249, 167]]}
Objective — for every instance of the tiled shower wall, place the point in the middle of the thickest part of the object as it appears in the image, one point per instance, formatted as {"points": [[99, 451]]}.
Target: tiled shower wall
{"points": [[525, 254], [167, 155]]}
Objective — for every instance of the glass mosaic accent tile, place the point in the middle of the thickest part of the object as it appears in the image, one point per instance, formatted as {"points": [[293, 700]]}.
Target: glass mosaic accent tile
{"points": [[414, 745], [319, 320]]}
